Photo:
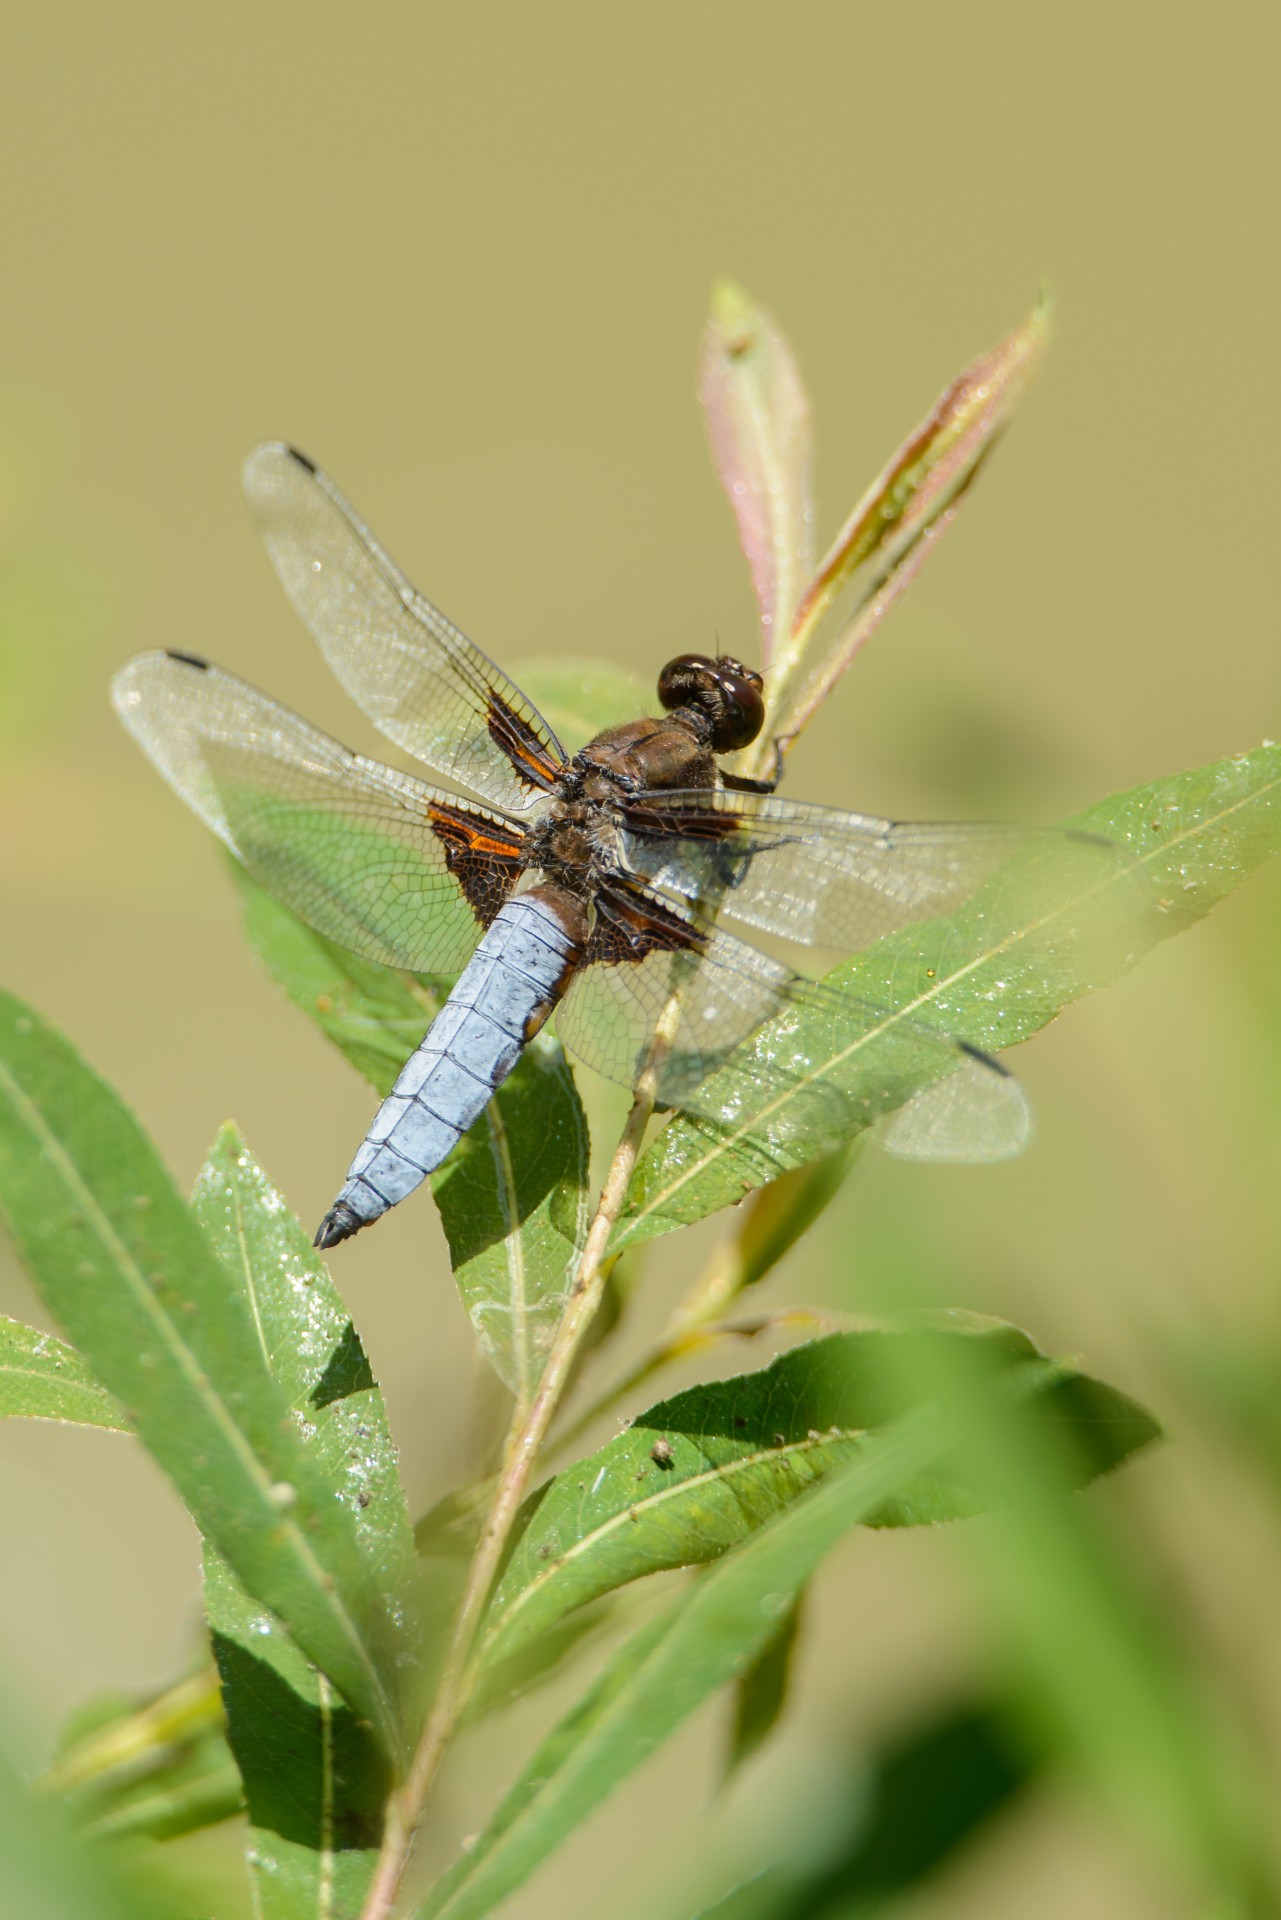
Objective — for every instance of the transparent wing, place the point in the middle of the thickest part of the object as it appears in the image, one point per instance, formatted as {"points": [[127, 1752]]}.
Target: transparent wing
{"points": [[785, 1067], [813, 874], [420, 680], [373, 859]]}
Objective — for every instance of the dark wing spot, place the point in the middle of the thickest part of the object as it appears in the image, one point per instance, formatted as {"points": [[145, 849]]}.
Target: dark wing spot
{"points": [[484, 861], [984, 1059], [188, 659], [519, 741], [296, 453], [631, 924], [691, 822]]}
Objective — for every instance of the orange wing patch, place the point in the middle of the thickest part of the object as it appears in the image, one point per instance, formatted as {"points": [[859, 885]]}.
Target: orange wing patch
{"points": [[484, 860]]}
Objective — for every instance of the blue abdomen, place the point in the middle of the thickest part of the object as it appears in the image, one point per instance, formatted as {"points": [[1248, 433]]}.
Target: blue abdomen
{"points": [[519, 971]]}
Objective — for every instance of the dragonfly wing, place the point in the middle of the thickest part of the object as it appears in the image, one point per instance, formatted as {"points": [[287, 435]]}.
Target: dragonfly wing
{"points": [[785, 1068], [422, 682], [373, 859], [809, 873]]}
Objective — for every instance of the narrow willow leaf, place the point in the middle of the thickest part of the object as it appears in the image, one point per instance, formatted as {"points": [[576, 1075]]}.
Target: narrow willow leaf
{"points": [[708, 1636], [580, 698], [512, 1195], [130, 1770], [993, 974], [314, 1781], [921, 481], [758, 423], [119, 1260], [115, 1737], [932, 1789], [697, 1474], [760, 1693], [42, 1378], [199, 1788], [188, 1803], [313, 1352]]}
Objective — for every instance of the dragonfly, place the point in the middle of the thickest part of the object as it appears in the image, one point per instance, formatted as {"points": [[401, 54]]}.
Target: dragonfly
{"points": [[591, 885]]}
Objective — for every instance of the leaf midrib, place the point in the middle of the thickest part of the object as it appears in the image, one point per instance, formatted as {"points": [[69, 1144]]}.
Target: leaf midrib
{"points": [[648, 1503]]}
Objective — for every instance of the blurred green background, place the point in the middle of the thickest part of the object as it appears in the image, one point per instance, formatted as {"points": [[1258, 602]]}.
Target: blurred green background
{"points": [[463, 258]]}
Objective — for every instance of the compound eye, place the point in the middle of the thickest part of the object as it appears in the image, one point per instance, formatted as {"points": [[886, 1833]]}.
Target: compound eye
{"points": [[684, 679], [741, 708]]}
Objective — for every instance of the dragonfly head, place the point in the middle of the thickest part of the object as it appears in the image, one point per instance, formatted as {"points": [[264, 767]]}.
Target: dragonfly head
{"points": [[723, 690]]}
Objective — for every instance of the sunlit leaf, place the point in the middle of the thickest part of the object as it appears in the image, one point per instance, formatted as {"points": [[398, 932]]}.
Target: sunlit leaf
{"points": [[122, 1264], [42, 1378], [711, 1633], [759, 427], [314, 1780], [993, 974], [698, 1474]]}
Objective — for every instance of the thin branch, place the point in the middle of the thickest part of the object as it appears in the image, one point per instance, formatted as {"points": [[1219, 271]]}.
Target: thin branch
{"points": [[524, 1441]]}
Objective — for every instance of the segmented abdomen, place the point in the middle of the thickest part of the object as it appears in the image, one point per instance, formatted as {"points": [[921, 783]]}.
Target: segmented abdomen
{"points": [[519, 971]]}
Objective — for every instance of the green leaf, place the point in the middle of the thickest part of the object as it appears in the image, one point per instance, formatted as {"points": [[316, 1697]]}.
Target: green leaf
{"points": [[932, 1789], [118, 1258], [313, 1353], [512, 1195], [708, 1636], [992, 974], [42, 1378], [580, 698], [131, 1770], [760, 1693], [314, 1780], [513, 1200], [758, 423], [197, 1788], [200, 1793], [734, 1453]]}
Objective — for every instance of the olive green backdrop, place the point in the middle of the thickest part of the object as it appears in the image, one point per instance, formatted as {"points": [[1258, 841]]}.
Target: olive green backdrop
{"points": [[462, 256]]}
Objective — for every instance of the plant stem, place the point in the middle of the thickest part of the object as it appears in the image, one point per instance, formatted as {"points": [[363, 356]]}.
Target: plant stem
{"points": [[528, 1431]]}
